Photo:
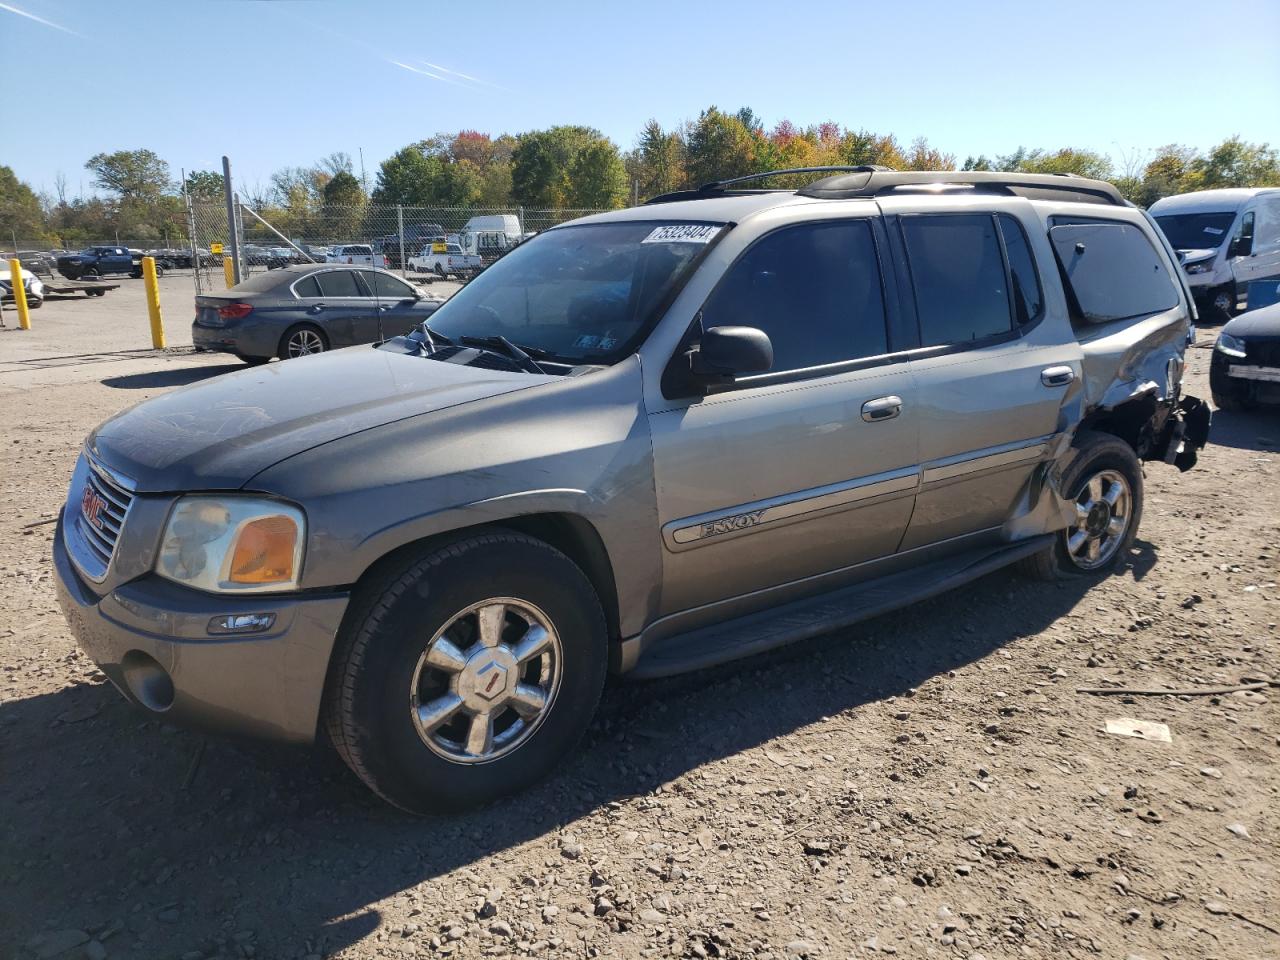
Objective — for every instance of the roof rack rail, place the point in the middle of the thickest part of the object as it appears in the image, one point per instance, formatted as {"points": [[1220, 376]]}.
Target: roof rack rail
{"points": [[717, 187], [1033, 186]]}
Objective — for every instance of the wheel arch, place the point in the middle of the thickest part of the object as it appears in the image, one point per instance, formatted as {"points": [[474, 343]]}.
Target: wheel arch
{"points": [[1125, 420], [572, 534]]}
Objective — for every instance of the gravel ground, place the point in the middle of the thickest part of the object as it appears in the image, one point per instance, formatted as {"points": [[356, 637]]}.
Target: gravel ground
{"points": [[929, 784]]}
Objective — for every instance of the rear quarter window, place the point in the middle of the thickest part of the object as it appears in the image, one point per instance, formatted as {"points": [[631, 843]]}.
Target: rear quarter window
{"points": [[1111, 270]]}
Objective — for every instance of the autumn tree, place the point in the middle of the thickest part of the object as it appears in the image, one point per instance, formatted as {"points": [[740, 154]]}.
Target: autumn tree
{"points": [[720, 146], [130, 174], [344, 202], [21, 214]]}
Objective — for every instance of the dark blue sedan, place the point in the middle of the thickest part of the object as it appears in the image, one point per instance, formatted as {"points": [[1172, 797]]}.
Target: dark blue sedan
{"points": [[306, 309]]}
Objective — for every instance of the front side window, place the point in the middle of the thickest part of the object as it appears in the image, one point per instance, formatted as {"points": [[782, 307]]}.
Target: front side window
{"points": [[813, 288], [1111, 270], [385, 285], [957, 274], [339, 283], [1245, 244], [581, 294]]}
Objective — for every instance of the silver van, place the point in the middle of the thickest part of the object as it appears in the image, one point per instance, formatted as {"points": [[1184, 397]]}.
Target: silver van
{"points": [[1226, 239], [643, 442]]}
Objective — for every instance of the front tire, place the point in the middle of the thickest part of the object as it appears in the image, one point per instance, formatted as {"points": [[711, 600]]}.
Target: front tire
{"points": [[1104, 481], [1222, 301], [302, 340], [466, 672]]}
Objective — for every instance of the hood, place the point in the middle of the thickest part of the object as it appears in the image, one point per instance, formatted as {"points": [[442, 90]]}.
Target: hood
{"points": [[1263, 322], [219, 434], [1195, 256]]}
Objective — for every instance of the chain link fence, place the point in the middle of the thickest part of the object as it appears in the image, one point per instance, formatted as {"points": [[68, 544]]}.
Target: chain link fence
{"points": [[391, 236]]}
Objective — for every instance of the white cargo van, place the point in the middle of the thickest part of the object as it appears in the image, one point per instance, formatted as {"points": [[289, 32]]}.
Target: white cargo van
{"points": [[490, 236], [1226, 238]]}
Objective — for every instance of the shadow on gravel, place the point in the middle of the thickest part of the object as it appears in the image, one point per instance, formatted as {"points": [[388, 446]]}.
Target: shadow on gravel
{"points": [[106, 819], [173, 377], [1247, 430]]}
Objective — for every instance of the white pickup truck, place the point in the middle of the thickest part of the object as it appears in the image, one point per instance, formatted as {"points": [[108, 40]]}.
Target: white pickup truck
{"points": [[359, 254], [445, 260]]}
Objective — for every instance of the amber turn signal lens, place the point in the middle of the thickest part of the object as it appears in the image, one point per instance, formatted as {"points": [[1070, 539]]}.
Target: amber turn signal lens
{"points": [[265, 551]]}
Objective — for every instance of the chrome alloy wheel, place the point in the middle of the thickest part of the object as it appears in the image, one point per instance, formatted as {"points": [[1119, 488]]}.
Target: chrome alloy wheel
{"points": [[486, 680], [1104, 510], [303, 343], [1224, 301]]}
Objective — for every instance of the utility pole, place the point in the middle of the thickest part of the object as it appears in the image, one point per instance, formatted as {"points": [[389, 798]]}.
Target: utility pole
{"points": [[232, 233]]}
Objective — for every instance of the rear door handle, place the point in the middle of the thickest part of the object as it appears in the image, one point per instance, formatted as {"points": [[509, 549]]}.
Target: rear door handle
{"points": [[882, 408], [1057, 376], [315, 308]]}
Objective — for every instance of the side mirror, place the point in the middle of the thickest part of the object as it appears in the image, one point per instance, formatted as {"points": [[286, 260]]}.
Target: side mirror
{"points": [[728, 352], [1240, 247]]}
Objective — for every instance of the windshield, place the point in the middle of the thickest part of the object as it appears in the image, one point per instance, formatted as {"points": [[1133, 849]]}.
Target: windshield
{"points": [[580, 294], [1196, 231]]}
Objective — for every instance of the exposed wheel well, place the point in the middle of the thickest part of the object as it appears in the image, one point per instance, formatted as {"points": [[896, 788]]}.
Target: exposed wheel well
{"points": [[1137, 422]]}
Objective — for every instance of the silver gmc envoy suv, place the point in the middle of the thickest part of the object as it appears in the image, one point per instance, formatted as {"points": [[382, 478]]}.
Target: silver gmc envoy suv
{"points": [[642, 442]]}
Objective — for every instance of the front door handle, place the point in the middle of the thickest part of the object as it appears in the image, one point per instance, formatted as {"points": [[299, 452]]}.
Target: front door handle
{"points": [[882, 408], [1057, 376]]}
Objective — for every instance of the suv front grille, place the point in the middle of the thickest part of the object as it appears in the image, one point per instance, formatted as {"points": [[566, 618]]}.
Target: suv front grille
{"points": [[102, 509], [1265, 353]]}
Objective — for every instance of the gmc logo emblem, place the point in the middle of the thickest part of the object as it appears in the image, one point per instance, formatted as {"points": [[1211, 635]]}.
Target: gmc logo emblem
{"points": [[91, 505]]}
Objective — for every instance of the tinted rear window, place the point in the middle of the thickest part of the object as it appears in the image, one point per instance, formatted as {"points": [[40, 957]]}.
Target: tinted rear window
{"points": [[1027, 297], [307, 287], [1111, 270], [957, 272]]}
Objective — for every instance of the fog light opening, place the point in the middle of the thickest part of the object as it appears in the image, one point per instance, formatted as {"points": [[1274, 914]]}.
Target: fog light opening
{"points": [[241, 623], [149, 683]]}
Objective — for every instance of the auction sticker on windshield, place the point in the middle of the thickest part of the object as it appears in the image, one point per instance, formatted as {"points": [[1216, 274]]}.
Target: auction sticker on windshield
{"points": [[683, 233]]}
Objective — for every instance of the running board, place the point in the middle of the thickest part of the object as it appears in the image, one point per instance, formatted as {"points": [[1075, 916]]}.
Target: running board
{"points": [[814, 616]]}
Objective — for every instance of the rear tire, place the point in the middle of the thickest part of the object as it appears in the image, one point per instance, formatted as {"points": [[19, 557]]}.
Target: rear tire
{"points": [[412, 674], [1105, 482]]}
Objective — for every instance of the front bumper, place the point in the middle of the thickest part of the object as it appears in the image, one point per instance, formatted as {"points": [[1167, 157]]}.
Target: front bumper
{"points": [[151, 638], [1249, 380]]}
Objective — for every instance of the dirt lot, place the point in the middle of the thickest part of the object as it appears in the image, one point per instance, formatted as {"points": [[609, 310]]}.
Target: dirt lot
{"points": [[929, 784]]}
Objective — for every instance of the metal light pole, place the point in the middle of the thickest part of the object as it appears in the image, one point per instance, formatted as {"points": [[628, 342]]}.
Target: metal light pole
{"points": [[232, 233]]}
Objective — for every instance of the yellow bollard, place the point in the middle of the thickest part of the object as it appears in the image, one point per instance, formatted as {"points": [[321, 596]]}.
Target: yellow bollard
{"points": [[229, 269], [19, 293], [153, 301]]}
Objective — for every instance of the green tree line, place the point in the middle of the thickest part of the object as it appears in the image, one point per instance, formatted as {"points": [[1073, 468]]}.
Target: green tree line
{"points": [[563, 167]]}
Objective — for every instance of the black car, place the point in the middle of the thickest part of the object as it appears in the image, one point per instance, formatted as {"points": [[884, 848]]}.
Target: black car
{"points": [[307, 308], [1245, 370]]}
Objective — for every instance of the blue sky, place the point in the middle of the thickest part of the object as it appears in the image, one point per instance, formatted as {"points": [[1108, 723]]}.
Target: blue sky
{"points": [[279, 83]]}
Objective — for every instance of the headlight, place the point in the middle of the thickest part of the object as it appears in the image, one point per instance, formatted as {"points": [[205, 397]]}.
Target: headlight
{"points": [[233, 544], [1231, 346], [1204, 266]]}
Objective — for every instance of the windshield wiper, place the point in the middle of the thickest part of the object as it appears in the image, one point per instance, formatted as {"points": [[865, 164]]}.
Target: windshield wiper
{"points": [[506, 349]]}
